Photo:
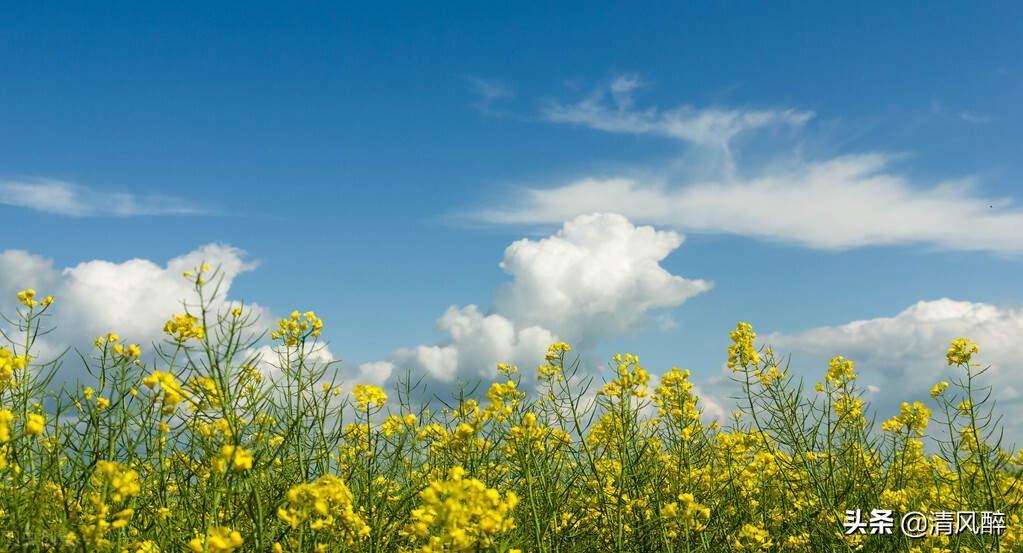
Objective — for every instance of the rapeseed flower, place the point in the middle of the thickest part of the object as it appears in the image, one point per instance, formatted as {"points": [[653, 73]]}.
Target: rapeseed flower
{"points": [[35, 424], [183, 327], [461, 514], [366, 394], [961, 352], [217, 540]]}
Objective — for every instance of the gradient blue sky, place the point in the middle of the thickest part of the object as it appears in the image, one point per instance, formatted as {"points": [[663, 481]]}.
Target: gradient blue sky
{"points": [[846, 177]]}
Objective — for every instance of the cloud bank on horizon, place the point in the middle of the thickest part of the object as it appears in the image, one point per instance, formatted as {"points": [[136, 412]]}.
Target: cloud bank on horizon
{"points": [[133, 298]]}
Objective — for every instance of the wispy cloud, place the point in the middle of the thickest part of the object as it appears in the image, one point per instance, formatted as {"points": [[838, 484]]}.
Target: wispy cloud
{"points": [[716, 127], [970, 117], [834, 203], [488, 92], [838, 204], [75, 200]]}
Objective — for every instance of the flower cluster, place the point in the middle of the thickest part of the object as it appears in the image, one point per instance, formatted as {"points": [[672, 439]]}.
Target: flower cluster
{"points": [[325, 507], [217, 540], [26, 298], [461, 514], [8, 364], [913, 418], [182, 327], [298, 328], [961, 352], [632, 379], [173, 394], [741, 352], [240, 459], [368, 393]]}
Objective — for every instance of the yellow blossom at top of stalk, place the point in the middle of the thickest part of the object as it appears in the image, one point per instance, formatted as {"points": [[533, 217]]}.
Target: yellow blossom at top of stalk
{"points": [[461, 514], [913, 417], [961, 351], [632, 379], [368, 393], [938, 389], [26, 297], [322, 505], [557, 349], [840, 372], [183, 327], [742, 353], [295, 329]]}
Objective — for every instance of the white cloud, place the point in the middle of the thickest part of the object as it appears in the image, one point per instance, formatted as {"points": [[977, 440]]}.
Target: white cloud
{"points": [[478, 343], [596, 278], [834, 203], [978, 119], [716, 127], [903, 356], [67, 198], [488, 92], [133, 298], [842, 203]]}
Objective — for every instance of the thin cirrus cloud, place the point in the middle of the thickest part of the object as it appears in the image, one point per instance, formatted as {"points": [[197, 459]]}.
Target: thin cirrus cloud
{"points": [[715, 127], [838, 203], [74, 200]]}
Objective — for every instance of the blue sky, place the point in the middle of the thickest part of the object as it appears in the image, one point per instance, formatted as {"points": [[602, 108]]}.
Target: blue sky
{"points": [[843, 177]]}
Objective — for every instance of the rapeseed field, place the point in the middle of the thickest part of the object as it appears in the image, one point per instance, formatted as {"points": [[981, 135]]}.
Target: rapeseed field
{"points": [[196, 446]]}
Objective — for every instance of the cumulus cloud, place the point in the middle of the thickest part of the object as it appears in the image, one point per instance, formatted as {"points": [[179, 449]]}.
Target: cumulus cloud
{"points": [[596, 278], [477, 343], [837, 204], [132, 298], [903, 356], [67, 198]]}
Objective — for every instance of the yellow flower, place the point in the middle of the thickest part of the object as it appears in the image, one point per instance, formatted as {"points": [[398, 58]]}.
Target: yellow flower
{"points": [[35, 424], [217, 540], [461, 514], [8, 364], [938, 389], [742, 353], [368, 393], [242, 458], [183, 327], [961, 351], [5, 425], [25, 297]]}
